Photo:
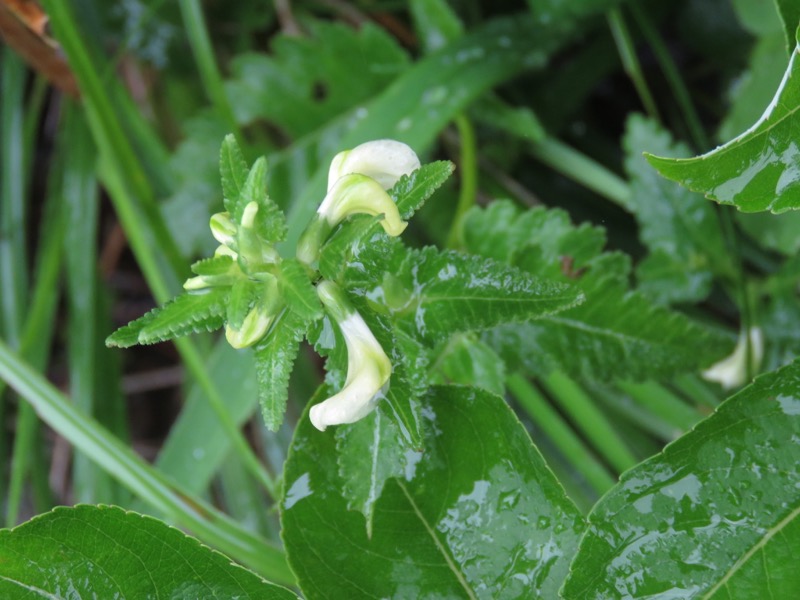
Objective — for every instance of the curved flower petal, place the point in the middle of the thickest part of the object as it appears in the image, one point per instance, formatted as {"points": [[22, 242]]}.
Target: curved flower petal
{"points": [[368, 368], [361, 194], [385, 161]]}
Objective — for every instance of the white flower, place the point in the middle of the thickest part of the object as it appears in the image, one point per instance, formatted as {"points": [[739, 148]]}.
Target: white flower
{"points": [[385, 161], [368, 369], [360, 194], [731, 372], [254, 327]]}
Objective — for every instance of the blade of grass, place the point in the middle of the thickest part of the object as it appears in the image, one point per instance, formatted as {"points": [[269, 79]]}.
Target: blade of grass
{"points": [[90, 484], [83, 432], [35, 342], [591, 422], [662, 403], [580, 168], [630, 61], [13, 254]]}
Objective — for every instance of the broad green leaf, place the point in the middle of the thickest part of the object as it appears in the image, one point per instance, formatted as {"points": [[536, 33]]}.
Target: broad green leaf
{"points": [[298, 292], [760, 169], [106, 552], [466, 360], [435, 23], [780, 233], [615, 332], [448, 292], [233, 172], [306, 81], [476, 514], [274, 359], [680, 228], [789, 10], [715, 515], [185, 314]]}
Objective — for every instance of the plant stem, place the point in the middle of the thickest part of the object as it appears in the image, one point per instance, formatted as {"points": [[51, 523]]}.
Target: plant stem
{"points": [[200, 42], [662, 403], [569, 444], [673, 75], [581, 168], [630, 62], [592, 423], [696, 389], [468, 167]]}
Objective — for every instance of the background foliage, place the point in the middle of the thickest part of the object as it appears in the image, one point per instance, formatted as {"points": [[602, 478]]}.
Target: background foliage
{"points": [[549, 314]]}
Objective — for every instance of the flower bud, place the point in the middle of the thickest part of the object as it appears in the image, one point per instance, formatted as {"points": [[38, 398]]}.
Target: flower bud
{"points": [[360, 194], [731, 372], [368, 367], [385, 161]]}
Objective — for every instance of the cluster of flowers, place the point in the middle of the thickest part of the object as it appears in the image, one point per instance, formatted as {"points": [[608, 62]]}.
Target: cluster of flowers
{"points": [[358, 181]]}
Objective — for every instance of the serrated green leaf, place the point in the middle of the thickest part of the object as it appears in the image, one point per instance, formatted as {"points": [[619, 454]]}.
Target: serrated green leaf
{"points": [[106, 552], [254, 188], [677, 226], [715, 515], [449, 292], [411, 192], [233, 172], [297, 291], [435, 23], [615, 332], [274, 359], [212, 267], [185, 314], [760, 169], [478, 467], [466, 360]]}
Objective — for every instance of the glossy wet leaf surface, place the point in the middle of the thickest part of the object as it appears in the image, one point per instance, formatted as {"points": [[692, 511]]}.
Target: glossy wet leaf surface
{"points": [[716, 515], [104, 552], [760, 169], [475, 514]]}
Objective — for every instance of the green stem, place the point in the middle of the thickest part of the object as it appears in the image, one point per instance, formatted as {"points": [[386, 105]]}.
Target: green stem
{"points": [[35, 344], [582, 169], [696, 389], [468, 168], [662, 403], [13, 254], [592, 423], [88, 436], [673, 75], [569, 444], [630, 62], [200, 42]]}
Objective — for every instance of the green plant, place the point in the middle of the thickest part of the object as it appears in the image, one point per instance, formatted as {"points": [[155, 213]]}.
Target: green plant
{"points": [[592, 398]]}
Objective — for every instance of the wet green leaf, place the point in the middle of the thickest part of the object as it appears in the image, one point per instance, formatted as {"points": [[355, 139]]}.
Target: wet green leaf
{"points": [[449, 292], [789, 10], [478, 494], [615, 332], [760, 169], [715, 515], [185, 314], [680, 228], [105, 552]]}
